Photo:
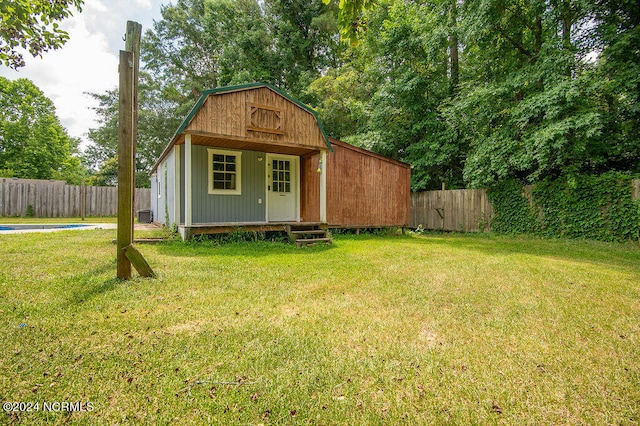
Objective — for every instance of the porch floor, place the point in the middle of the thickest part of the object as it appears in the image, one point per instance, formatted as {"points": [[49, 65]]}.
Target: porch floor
{"points": [[229, 227]]}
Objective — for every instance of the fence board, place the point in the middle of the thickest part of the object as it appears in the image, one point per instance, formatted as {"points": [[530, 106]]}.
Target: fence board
{"points": [[466, 210], [55, 199]]}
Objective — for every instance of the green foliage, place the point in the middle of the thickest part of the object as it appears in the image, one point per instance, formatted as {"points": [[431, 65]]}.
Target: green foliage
{"points": [[578, 206], [351, 18], [340, 97], [525, 98], [157, 121], [512, 212], [32, 25], [238, 236], [33, 143], [391, 90], [468, 93], [199, 45]]}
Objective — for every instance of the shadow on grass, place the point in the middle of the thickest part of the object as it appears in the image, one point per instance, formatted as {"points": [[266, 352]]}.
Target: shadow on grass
{"points": [[621, 255], [237, 249], [84, 287]]}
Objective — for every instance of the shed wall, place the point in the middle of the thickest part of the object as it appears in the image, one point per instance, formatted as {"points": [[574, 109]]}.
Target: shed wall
{"points": [[168, 190], [213, 208], [310, 189], [162, 203], [158, 196], [365, 190]]}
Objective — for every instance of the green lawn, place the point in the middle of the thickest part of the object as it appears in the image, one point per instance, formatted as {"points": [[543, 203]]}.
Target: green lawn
{"points": [[373, 330]]}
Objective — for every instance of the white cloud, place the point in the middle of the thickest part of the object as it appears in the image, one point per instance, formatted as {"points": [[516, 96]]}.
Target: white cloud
{"points": [[88, 62], [145, 4]]}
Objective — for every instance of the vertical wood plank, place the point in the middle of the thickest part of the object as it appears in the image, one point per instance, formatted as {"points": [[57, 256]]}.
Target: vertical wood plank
{"points": [[2, 201], [125, 165]]}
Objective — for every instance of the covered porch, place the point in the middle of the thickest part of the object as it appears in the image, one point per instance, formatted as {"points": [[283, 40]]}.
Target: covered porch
{"points": [[245, 157], [275, 189]]}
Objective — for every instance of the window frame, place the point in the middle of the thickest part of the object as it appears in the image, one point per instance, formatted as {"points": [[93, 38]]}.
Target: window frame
{"points": [[238, 172]]}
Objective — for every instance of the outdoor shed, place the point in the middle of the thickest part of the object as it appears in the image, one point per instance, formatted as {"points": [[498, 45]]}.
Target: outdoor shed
{"points": [[253, 157]]}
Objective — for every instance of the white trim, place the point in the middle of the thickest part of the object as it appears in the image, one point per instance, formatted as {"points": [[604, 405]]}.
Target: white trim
{"points": [[323, 187], [158, 186], [187, 180], [266, 188], [176, 188], [298, 189], [238, 154]]}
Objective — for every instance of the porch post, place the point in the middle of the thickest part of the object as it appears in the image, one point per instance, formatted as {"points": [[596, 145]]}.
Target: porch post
{"points": [[176, 188], [323, 187], [187, 181]]}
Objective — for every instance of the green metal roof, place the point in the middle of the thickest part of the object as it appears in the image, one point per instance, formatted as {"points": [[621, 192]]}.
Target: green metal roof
{"points": [[204, 94]]}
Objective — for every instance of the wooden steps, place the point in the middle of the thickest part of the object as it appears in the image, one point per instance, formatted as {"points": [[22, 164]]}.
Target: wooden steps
{"points": [[308, 234]]}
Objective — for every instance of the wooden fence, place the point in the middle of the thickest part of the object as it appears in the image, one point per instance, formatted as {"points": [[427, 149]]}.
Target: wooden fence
{"points": [[57, 199], [466, 210]]}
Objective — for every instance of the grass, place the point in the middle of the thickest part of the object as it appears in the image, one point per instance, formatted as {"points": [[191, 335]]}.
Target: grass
{"points": [[435, 329]]}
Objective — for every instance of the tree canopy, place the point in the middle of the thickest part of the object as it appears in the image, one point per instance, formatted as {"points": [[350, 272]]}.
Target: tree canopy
{"points": [[32, 25], [33, 143], [203, 44], [469, 93], [474, 92]]}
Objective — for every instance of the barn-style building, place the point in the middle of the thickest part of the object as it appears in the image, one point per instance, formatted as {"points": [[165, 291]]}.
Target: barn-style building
{"points": [[252, 157]]}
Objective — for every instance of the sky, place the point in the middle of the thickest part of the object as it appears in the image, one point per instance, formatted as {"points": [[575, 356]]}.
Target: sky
{"points": [[88, 62]]}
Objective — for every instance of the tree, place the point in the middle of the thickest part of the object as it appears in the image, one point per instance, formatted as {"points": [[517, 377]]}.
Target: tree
{"points": [[401, 71], [616, 37], [32, 25], [33, 143], [201, 44], [527, 98], [530, 106], [351, 17], [306, 42], [156, 125]]}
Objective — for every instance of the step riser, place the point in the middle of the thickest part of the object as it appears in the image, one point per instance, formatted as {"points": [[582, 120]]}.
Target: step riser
{"points": [[308, 235]]}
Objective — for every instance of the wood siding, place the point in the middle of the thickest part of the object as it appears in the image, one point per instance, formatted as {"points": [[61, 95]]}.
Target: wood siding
{"points": [[364, 189], [240, 114], [466, 210], [310, 189]]}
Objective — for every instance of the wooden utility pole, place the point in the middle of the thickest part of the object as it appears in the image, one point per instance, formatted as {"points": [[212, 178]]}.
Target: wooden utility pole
{"points": [[127, 254]]}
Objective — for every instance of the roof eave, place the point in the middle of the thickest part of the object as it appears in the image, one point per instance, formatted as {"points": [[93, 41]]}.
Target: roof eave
{"points": [[218, 90]]}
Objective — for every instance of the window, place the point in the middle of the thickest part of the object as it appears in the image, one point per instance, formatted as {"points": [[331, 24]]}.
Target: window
{"points": [[281, 176], [225, 172]]}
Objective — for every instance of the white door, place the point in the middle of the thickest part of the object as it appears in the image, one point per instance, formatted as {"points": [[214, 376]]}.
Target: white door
{"points": [[282, 188]]}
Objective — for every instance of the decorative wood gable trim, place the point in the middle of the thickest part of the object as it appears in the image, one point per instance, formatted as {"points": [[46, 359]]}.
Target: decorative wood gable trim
{"points": [[264, 118]]}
